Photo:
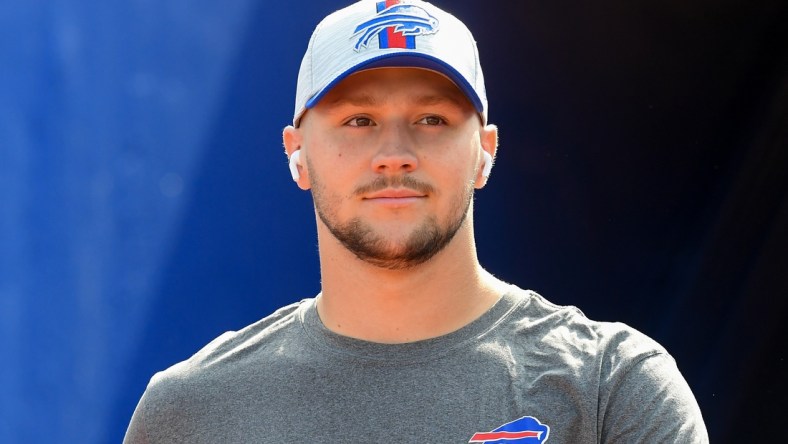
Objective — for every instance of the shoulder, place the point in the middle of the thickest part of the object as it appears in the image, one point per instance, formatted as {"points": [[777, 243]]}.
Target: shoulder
{"points": [[603, 352], [641, 394], [565, 327], [229, 352], [179, 398]]}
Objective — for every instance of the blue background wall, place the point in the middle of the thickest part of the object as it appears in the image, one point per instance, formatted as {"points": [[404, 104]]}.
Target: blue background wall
{"points": [[146, 206]]}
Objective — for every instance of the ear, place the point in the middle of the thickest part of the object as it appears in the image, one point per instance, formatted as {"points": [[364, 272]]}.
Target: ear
{"points": [[293, 141], [488, 137]]}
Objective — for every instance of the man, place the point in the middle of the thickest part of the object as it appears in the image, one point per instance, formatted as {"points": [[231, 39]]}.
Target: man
{"points": [[410, 339]]}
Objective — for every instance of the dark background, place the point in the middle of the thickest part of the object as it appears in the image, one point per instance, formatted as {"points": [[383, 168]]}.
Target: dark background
{"points": [[146, 206]]}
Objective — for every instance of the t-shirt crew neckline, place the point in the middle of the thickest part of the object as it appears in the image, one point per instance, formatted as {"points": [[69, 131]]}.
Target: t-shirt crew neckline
{"points": [[409, 352]]}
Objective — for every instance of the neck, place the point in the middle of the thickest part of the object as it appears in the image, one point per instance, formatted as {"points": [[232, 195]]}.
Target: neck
{"points": [[395, 306]]}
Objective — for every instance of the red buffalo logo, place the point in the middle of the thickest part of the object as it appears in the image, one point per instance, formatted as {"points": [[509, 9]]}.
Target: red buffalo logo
{"points": [[526, 430]]}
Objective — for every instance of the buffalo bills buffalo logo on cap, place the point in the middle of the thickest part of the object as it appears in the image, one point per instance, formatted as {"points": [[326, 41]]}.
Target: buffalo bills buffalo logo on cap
{"points": [[396, 26], [526, 430]]}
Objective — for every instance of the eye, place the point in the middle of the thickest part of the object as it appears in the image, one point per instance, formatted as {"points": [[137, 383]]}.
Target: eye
{"points": [[432, 120], [360, 121]]}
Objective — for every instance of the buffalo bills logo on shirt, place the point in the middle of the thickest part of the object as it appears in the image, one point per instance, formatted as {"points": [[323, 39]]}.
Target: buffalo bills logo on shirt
{"points": [[396, 26], [526, 430]]}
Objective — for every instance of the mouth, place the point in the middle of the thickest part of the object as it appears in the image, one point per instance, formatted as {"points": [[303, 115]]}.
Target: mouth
{"points": [[394, 193], [395, 197]]}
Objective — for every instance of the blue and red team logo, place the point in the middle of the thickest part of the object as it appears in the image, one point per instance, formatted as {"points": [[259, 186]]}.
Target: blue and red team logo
{"points": [[396, 25], [526, 430]]}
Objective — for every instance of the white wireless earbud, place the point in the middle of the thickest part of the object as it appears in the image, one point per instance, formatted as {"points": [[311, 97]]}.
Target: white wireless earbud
{"points": [[295, 160], [487, 165]]}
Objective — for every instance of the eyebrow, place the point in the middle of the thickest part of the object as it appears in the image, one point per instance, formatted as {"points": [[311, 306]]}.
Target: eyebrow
{"points": [[440, 99], [355, 100]]}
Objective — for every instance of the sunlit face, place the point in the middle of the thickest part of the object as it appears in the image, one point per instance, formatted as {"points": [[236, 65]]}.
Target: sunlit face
{"points": [[393, 158]]}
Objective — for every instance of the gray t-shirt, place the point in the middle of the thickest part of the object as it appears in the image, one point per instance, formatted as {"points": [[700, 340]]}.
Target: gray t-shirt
{"points": [[526, 371]]}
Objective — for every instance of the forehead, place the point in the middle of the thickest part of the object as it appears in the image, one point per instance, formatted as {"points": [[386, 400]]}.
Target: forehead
{"points": [[381, 85]]}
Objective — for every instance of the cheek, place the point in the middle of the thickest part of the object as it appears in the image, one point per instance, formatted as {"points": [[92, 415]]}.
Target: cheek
{"points": [[336, 169], [453, 176], [328, 153], [343, 151], [456, 161]]}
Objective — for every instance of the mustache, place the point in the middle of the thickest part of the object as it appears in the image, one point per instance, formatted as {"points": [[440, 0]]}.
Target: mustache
{"points": [[402, 181]]}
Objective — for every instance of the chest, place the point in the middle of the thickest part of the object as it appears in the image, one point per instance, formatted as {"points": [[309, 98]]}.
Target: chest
{"points": [[446, 400]]}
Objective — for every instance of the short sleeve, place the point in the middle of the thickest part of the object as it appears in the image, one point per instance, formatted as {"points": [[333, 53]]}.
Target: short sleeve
{"points": [[135, 433], [650, 402]]}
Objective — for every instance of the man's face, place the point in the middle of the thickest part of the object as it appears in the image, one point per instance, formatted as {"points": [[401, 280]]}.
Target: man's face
{"points": [[393, 156]]}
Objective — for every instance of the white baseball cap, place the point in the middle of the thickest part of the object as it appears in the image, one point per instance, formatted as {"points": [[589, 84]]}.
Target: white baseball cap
{"points": [[391, 33]]}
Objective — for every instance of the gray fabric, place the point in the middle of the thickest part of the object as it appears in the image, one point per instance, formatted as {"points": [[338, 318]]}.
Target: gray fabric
{"points": [[287, 379]]}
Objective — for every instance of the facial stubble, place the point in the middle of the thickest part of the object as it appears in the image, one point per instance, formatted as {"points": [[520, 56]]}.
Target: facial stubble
{"points": [[361, 239]]}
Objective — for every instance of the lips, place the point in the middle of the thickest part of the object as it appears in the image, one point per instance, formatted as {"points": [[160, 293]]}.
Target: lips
{"points": [[395, 193]]}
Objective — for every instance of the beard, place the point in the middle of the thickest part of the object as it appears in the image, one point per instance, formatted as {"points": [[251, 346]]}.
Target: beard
{"points": [[360, 238]]}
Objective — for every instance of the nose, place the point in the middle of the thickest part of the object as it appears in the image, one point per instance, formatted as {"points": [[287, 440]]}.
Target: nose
{"points": [[395, 154]]}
